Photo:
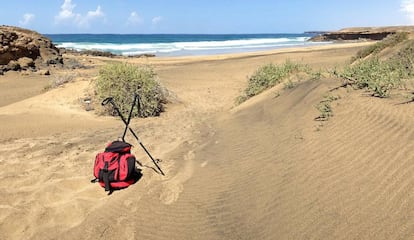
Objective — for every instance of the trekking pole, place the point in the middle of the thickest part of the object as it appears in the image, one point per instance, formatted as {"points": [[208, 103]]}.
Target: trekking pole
{"points": [[130, 115], [111, 101]]}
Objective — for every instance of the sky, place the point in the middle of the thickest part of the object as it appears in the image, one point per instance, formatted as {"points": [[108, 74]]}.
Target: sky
{"points": [[203, 17]]}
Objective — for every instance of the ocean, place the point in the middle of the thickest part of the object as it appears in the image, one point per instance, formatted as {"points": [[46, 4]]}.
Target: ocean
{"points": [[179, 44]]}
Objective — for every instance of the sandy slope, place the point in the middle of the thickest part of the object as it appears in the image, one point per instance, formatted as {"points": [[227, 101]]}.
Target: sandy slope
{"points": [[263, 170]]}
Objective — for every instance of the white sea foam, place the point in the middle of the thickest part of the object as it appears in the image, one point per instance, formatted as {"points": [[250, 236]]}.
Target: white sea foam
{"points": [[189, 48]]}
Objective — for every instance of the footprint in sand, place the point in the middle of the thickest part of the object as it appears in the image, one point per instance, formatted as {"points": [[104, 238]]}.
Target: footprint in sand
{"points": [[174, 186]]}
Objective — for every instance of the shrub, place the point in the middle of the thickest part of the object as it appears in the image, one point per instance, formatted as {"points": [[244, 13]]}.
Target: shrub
{"points": [[315, 75], [324, 107], [383, 76], [121, 81], [390, 40], [268, 76], [289, 84], [375, 75], [325, 111], [404, 59]]}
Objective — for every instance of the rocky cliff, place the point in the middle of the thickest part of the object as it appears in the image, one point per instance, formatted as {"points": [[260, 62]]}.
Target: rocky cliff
{"points": [[361, 33], [25, 49]]}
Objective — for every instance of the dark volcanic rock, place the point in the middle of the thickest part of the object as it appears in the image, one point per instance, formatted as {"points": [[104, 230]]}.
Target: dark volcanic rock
{"points": [[100, 53], [18, 44], [362, 33], [348, 36]]}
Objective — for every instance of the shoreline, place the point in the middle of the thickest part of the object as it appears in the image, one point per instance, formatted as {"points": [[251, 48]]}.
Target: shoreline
{"points": [[228, 56], [261, 170], [170, 45]]}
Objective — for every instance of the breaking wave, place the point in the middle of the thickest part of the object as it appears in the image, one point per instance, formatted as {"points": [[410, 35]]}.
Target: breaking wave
{"points": [[185, 46]]}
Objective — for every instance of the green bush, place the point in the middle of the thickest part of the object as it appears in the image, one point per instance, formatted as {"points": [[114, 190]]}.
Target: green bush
{"points": [[404, 60], [324, 107], [375, 75], [389, 41], [268, 76], [382, 76], [121, 81], [325, 111]]}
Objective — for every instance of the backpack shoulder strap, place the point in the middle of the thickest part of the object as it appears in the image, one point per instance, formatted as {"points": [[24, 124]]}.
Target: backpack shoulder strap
{"points": [[105, 176]]}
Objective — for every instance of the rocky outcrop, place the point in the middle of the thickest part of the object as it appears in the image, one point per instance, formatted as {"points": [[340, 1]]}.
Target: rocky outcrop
{"points": [[362, 33], [100, 53], [350, 36], [25, 49]]}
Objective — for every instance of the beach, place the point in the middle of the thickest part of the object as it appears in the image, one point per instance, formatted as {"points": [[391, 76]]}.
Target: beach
{"points": [[173, 45], [264, 169]]}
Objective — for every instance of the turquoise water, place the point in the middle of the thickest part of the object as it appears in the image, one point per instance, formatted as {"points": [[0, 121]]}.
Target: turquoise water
{"points": [[179, 44]]}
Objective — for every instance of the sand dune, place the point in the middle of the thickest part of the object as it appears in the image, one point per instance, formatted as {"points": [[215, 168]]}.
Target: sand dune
{"points": [[261, 170]]}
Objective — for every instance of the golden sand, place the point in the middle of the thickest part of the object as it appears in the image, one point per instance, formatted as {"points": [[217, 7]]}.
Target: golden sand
{"points": [[261, 170]]}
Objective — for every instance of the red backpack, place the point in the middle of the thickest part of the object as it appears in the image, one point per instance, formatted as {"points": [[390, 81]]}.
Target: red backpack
{"points": [[115, 167]]}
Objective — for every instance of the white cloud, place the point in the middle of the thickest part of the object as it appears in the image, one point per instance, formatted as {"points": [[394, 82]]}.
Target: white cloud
{"points": [[407, 6], [66, 12], [134, 19], [156, 20], [91, 16], [95, 14], [68, 15], [27, 19]]}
